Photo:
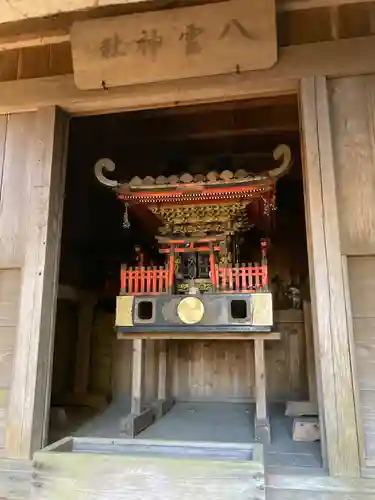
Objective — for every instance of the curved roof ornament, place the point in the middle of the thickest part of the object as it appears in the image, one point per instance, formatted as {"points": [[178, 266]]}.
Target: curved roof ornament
{"points": [[282, 151], [109, 166]]}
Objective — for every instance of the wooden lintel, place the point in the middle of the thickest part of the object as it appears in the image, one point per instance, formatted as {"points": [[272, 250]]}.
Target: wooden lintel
{"points": [[333, 59]]}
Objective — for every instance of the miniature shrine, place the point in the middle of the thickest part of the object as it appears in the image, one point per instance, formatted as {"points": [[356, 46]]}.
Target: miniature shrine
{"points": [[205, 283]]}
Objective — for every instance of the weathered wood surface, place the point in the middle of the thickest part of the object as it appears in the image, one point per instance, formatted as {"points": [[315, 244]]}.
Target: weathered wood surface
{"points": [[361, 278], [352, 102], [176, 43], [332, 335], [14, 184], [15, 479], [14, 130], [194, 474], [223, 370], [29, 401], [317, 487], [342, 57]]}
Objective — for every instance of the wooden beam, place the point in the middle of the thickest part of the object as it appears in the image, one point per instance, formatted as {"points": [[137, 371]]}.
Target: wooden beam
{"points": [[336, 390], [333, 59], [200, 336], [28, 408]]}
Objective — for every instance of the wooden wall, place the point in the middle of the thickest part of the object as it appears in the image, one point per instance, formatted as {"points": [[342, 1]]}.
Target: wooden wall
{"points": [[15, 142], [224, 370], [352, 107]]}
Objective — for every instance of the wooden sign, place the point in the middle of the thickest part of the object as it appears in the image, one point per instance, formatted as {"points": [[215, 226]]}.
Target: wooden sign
{"points": [[217, 38]]}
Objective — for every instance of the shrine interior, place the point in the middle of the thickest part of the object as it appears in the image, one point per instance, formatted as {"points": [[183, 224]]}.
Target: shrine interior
{"points": [[212, 381]]}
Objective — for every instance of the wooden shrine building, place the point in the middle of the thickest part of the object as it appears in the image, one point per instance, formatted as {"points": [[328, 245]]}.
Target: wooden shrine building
{"points": [[187, 250]]}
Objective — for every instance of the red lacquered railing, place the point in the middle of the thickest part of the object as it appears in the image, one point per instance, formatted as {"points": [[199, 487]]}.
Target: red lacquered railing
{"points": [[242, 279], [144, 280]]}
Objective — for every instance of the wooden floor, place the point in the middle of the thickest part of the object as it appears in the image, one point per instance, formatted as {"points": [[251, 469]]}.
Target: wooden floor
{"points": [[218, 422]]}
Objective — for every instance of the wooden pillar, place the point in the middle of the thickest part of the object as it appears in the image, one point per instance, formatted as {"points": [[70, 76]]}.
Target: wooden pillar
{"points": [[28, 410], [262, 425], [164, 402], [140, 416], [83, 349], [331, 333], [163, 370], [138, 375]]}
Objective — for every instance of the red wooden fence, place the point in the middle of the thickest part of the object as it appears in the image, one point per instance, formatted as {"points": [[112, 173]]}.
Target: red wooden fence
{"points": [[242, 279], [153, 280], [144, 280]]}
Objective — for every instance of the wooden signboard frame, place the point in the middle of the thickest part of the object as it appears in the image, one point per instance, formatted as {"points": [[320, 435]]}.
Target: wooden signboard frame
{"points": [[176, 43]]}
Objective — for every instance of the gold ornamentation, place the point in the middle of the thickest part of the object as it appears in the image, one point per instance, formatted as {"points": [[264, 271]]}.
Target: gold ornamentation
{"points": [[190, 310], [202, 219]]}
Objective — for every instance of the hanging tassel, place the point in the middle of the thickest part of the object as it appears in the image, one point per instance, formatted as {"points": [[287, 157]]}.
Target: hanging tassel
{"points": [[126, 222]]}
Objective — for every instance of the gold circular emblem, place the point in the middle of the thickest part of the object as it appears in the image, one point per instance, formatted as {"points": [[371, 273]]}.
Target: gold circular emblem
{"points": [[190, 310]]}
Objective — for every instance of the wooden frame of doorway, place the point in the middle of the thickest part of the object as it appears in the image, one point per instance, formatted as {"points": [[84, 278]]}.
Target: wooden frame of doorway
{"points": [[29, 400]]}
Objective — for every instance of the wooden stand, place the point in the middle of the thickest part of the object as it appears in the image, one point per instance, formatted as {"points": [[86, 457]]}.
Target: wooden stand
{"points": [[142, 416]]}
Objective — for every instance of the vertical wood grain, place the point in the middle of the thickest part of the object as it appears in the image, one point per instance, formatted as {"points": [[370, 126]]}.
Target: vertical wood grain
{"points": [[352, 101], [260, 380], [29, 398], [138, 376], [15, 182], [328, 301], [360, 274]]}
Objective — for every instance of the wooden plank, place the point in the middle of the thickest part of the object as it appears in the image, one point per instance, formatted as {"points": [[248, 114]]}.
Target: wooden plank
{"points": [[338, 58], [13, 205], [301, 408], [354, 361], [361, 277], [199, 336], [127, 477], [353, 111], [310, 353], [338, 419], [306, 429], [174, 44], [321, 483], [29, 400], [10, 283]]}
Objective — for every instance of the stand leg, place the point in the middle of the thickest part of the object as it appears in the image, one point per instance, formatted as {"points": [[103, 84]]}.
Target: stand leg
{"points": [[140, 417], [164, 402], [262, 426]]}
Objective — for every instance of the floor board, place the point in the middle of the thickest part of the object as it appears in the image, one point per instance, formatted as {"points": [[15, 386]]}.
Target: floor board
{"points": [[218, 422]]}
